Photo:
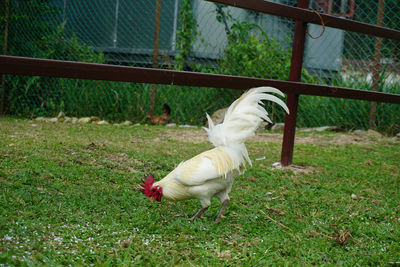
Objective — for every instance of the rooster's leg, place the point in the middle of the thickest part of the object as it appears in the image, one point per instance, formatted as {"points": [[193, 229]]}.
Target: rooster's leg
{"points": [[199, 213], [221, 210]]}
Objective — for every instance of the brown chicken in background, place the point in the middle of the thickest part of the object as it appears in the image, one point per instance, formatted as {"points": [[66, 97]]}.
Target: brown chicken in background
{"points": [[160, 119]]}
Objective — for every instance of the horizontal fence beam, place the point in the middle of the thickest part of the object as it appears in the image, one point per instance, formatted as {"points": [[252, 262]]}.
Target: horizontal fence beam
{"points": [[312, 17], [92, 71]]}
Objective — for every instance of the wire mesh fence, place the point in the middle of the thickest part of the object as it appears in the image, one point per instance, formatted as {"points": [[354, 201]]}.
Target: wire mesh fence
{"points": [[199, 36]]}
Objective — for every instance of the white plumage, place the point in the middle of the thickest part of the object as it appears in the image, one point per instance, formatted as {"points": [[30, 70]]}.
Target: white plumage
{"points": [[212, 172]]}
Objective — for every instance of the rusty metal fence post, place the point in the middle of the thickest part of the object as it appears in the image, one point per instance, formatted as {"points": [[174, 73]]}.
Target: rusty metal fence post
{"points": [[155, 53], [376, 64], [295, 76]]}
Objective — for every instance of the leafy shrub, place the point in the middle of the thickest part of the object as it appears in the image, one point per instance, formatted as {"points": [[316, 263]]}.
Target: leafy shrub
{"points": [[31, 96], [250, 52], [186, 33]]}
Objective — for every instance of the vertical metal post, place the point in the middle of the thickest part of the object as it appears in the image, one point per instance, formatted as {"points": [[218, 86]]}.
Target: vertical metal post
{"points": [[115, 35], [294, 75], [155, 53], [175, 25], [376, 66], [65, 10]]}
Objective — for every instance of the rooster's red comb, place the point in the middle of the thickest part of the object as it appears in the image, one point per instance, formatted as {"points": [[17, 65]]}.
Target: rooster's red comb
{"points": [[148, 184]]}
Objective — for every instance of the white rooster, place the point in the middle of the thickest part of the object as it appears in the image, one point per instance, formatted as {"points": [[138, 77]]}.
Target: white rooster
{"points": [[212, 172]]}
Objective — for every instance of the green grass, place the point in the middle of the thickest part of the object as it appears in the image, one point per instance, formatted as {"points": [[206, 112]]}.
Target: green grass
{"points": [[68, 196]]}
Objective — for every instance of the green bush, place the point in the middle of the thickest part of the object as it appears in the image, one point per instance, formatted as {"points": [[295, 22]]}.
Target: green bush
{"points": [[32, 96], [250, 52]]}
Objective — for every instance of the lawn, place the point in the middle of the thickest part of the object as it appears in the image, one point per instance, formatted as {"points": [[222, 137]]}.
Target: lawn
{"points": [[69, 195]]}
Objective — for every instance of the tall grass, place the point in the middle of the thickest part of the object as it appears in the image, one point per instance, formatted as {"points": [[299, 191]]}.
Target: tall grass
{"points": [[118, 101], [348, 113]]}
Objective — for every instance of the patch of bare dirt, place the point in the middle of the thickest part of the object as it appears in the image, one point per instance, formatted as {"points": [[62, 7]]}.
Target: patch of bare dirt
{"points": [[186, 135], [199, 136], [299, 169]]}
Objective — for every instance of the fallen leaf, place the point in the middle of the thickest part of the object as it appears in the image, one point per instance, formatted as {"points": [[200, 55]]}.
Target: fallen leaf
{"points": [[252, 179]]}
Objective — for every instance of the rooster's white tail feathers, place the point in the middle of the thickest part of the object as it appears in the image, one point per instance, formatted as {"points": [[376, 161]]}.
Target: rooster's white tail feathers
{"points": [[243, 117]]}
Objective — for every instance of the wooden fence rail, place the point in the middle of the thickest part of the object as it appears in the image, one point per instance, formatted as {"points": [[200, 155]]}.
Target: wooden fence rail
{"points": [[105, 72], [309, 16]]}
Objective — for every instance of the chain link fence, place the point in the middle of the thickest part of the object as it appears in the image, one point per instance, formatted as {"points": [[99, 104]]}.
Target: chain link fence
{"points": [[200, 36]]}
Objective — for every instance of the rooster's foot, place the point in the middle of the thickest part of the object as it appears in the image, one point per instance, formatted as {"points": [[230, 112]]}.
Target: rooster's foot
{"points": [[198, 214], [221, 211]]}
